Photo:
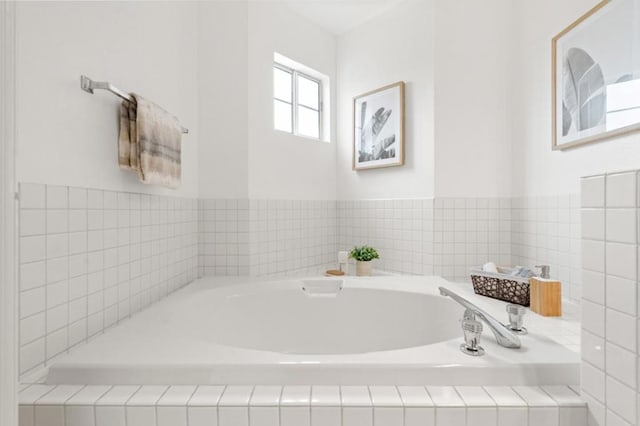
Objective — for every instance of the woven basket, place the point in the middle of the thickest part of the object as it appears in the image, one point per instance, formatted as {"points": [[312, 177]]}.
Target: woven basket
{"points": [[500, 286]]}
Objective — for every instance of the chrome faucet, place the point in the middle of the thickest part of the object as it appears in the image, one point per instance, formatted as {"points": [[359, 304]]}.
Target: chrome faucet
{"points": [[504, 336]]}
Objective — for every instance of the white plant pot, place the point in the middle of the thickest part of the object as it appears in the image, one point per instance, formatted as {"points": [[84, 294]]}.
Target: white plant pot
{"points": [[363, 269]]}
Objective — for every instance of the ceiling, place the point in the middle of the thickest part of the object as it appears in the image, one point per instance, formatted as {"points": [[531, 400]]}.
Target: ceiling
{"points": [[340, 16]]}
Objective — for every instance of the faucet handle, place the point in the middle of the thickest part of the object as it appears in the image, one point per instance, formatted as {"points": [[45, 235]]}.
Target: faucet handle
{"points": [[516, 315], [472, 330]]}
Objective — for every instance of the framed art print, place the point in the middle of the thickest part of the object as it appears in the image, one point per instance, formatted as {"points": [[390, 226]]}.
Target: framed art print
{"points": [[596, 75], [378, 128]]}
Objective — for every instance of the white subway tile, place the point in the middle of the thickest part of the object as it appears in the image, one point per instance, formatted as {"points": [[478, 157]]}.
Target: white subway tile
{"points": [[621, 225], [57, 221], [233, 415], [32, 328], [88, 395], [593, 286], [621, 400], [77, 220], [57, 245], [419, 416], [573, 416], [57, 197], [141, 415], [483, 416], [110, 415], [95, 199], [621, 294], [356, 396], [171, 416], [32, 222], [83, 415], [32, 196], [450, 416], [621, 190], [614, 420], [593, 255], [511, 416], [621, 364], [236, 396], [32, 301], [596, 412], [443, 396], [592, 381], [621, 329], [49, 415], [32, 355], [57, 343], [77, 198], [32, 249], [206, 396], [294, 414], [548, 416], [593, 349], [593, 318], [357, 416], [385, 396], [32, 275], [325, 396], [621, 260], [593, 224], [202, 416], [264, 416]]}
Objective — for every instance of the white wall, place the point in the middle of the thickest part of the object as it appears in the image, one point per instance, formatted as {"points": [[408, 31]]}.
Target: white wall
{"points": [[223, 100], [473, 100], [397, 45], [283, 166], [69, 137], [536, 169]]}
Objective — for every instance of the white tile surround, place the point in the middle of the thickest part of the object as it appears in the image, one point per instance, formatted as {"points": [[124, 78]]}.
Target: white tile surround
{"points": [[546, 230], [266, 237], [449, 236], [610, 324], [82, 254], [91, 258], [64, 405]]}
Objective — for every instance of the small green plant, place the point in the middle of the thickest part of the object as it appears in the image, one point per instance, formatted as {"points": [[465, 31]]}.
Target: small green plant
{"points": [[364, 253]]}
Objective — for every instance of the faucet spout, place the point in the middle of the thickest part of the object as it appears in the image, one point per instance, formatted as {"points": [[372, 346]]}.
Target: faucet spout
{"points": [[503, 335]]}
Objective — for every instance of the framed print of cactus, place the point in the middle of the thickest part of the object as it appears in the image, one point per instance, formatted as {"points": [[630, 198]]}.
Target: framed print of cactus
{"points": [[596, 75]]}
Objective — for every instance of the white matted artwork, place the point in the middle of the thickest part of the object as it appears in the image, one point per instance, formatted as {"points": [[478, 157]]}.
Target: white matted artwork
{"points": [[378, 128], [596, 75]]}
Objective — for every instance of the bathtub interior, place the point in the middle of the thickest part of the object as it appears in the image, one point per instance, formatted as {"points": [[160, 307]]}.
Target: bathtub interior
{"points": [[386, 330], [291, 321]]}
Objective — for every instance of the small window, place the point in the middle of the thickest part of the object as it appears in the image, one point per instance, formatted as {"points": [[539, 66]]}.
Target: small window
{"points": [[297, 102]]}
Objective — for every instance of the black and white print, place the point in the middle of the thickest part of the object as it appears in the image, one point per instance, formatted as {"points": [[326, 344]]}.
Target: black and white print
{"points": [[378, 128], [597, 74]]}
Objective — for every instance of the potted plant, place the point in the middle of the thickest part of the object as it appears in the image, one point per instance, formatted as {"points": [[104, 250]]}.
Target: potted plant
{"points": [[364, 256]]}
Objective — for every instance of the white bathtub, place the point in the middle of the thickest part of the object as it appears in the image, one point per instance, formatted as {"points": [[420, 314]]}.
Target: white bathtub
{"points": [[381, 330]]}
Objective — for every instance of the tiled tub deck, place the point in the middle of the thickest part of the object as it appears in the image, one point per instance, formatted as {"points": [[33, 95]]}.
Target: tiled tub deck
{"points": [[76, 405]]}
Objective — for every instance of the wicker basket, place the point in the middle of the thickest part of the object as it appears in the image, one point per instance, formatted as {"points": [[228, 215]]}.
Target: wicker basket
{"points": [[501, 286]]}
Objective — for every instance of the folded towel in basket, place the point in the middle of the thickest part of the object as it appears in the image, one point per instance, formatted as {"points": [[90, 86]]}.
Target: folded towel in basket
{"points": [[150, 142]]}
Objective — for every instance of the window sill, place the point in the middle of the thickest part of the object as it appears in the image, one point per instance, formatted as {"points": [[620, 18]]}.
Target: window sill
{"points": [[306, 138]]}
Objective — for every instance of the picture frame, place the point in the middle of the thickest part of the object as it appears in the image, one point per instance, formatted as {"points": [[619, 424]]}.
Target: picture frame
{"points": [[596, 76], [378, 128]]}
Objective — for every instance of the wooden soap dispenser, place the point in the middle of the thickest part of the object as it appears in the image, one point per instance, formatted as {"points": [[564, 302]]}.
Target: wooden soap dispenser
{"points": [[546, 294]]}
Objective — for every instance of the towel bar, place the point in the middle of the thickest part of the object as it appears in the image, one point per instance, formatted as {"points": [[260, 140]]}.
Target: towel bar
{"points": [[89, 85]]}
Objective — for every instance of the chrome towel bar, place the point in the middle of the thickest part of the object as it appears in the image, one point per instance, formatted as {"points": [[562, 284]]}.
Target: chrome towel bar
{"points": [[89, 86]]}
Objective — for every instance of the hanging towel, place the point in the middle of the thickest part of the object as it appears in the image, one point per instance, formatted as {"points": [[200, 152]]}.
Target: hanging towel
{"points": [[150, 142]]}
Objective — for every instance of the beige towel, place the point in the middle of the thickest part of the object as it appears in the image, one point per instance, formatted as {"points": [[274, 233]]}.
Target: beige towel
{"points": [[150, 142]]}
